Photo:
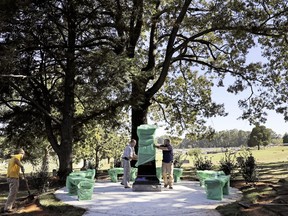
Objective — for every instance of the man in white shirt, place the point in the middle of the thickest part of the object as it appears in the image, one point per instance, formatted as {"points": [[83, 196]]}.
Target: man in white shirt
{"points": [[128, 155]]}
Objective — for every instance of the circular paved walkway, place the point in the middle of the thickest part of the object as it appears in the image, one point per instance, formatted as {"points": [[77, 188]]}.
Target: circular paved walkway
{"points": [[112, 199]]}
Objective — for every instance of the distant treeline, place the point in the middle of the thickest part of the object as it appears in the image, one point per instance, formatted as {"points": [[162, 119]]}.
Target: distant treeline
{"points": [[227, 138]]}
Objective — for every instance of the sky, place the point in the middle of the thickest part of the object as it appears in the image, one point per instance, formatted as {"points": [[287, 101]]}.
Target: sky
{"points": [[274, 121], [220, 95]]}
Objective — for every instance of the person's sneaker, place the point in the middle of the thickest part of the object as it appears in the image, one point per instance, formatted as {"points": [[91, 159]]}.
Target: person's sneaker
{"points": [[170, 187], [122, 183], [165, 185], [127, 187]]}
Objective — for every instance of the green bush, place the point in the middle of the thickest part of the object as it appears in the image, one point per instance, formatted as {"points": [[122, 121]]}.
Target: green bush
{"points": [[228, 163], [40, 181], [202, 163], [248, 167], [179, 159], [194, 152]]}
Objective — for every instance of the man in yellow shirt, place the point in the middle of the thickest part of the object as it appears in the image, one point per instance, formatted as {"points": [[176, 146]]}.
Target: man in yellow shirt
{"points": [[13, 173]]}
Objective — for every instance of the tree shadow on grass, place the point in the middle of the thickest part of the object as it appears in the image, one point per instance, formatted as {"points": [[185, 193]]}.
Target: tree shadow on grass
{"points": [[273, 171]]}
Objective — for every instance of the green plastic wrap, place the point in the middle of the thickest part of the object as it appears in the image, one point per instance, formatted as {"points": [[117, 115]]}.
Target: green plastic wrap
{"points": [[85, 189], [225, 181], [177, 173], [90, 174], [74, 178], [133, 174], [114, 172], [214, 189], [78, 173], [146, 148], [72, 182], [204, 174], [159, 173], [217, 187]]}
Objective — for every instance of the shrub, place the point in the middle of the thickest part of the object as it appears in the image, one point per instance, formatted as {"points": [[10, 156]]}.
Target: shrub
{"points": [[202, 163], [178, 159], [248, 167], [194, 152], [40, 181], [228, 163]]}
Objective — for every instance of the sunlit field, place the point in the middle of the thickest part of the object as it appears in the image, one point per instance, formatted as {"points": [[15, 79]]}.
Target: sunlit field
{"points": [[264, 155]]}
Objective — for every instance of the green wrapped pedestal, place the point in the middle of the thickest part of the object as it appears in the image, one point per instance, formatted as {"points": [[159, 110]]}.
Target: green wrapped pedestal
{"points": [[177, 173], [205, 174], [90, 174], [133, 174], [114, 172], [85, 190], [146, 177], [217, 187], [72, 184], [214, 190]]}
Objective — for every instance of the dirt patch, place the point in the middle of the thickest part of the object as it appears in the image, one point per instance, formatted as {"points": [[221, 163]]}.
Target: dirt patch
{"points": [[34, 207], [271, 201], [25, 204]]}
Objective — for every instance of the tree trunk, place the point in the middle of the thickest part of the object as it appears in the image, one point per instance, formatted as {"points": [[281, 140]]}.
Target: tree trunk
{"points": [[45, 161], [66, 146], [97, 159], [139, 117], [65, 162]]}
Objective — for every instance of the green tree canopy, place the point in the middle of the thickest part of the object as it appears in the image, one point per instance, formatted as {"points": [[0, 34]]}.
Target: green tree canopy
{"points": [[260, 136], [226, 139], [56, 74], [98, 143], [285, 138]]}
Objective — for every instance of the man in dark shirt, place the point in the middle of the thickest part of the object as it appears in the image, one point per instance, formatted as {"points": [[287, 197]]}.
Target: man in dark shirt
{"points": [[167, 163]]}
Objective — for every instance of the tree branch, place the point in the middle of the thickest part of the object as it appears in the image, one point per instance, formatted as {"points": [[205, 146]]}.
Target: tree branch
{"points": [[40, 108], [169, 51]]}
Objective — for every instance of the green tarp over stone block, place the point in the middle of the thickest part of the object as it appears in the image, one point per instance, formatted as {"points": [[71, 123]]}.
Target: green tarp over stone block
{"points": [[146, 148], [71, 183], [214, 189], [90, 174], [205, 174], [177, 173], [85, 190]]}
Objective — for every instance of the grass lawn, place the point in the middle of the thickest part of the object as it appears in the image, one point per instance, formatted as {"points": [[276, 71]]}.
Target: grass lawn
{"points": [[265, 197], [265, 155]]}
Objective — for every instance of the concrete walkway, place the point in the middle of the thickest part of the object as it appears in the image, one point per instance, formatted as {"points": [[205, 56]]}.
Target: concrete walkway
{"points": [[112, 199]]}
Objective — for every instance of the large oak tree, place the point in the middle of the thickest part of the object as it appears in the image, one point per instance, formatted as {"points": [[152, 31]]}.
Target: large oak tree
{"points": [[57, 74]]}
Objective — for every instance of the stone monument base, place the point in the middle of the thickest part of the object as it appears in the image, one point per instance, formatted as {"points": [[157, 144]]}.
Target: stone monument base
{"points": [[147, 187], [146, 183]]}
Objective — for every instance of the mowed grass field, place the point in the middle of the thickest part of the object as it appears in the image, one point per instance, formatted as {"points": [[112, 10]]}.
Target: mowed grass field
{"points": [[264, 155], [267, 155]]}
